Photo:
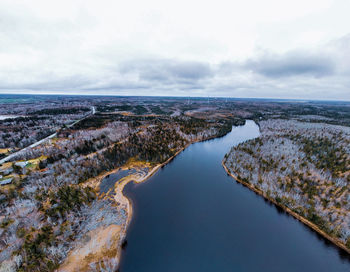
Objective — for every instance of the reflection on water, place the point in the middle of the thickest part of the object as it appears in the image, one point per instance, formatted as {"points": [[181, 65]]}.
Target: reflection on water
{"points": [[108, 182], [191, 216]]}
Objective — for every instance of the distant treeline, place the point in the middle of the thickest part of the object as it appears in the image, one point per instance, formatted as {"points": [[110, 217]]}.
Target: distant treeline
{"points": [[56, 111]]}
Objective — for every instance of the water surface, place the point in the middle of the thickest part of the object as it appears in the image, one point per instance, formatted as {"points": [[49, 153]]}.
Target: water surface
{"points": [[191, 216], [109, 181]]}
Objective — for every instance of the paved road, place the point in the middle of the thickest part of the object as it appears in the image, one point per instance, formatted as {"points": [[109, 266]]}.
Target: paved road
{"points": [[9, 157]]}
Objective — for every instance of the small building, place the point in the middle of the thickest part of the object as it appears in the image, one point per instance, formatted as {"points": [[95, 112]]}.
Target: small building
{"points": [[21, 164]]}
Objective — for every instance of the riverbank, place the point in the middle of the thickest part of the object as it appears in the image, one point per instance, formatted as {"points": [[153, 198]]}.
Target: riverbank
{"points": [[143, 179], [102, 247], [128, 201], [308, 223]]}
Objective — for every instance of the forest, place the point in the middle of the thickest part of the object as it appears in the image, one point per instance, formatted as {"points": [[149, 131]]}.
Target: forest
{"points": [[49, 201], [303, 166]]}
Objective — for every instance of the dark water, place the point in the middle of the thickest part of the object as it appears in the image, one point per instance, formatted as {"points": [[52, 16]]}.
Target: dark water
{"points": [[109, 181], [191, 216]]}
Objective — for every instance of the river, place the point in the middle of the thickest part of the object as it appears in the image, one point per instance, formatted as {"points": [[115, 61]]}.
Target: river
{"points": [[191, 216]]}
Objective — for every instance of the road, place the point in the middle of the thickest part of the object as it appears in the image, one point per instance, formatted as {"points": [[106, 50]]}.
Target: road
{"points": [[9, 157]]}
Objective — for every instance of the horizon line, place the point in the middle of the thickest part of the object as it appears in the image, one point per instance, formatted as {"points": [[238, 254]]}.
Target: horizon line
{"points": [[179, 96]]}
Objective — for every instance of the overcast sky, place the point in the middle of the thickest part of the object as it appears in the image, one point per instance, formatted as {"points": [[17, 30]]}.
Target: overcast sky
{"points": [[249, 48]]}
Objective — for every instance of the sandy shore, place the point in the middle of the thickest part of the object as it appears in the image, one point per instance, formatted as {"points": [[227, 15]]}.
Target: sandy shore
{"points": [[129, 205], [308, 223], [139, 180], [97, 250], [84, 254]]}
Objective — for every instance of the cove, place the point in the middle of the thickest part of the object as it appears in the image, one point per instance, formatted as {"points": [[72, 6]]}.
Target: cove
{"points": [[192, 216]]}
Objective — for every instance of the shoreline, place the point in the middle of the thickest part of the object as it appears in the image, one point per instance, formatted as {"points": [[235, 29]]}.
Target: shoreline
{"points": [[300, 218], [129, 206], [120, 198], [149, 175]]}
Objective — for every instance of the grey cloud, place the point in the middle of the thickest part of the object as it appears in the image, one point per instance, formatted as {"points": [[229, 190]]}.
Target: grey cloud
{"points": [[118, 86], [167, 70], [228, 67], [48, 82], [314, 75], [292, 64]]}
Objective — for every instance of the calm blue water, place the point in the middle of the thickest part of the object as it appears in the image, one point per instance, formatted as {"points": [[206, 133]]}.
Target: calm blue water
{"points": [[191, 216]]}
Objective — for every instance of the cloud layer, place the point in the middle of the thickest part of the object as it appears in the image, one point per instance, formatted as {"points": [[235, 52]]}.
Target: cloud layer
{"points": [[216, 48], [293, 64]]}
